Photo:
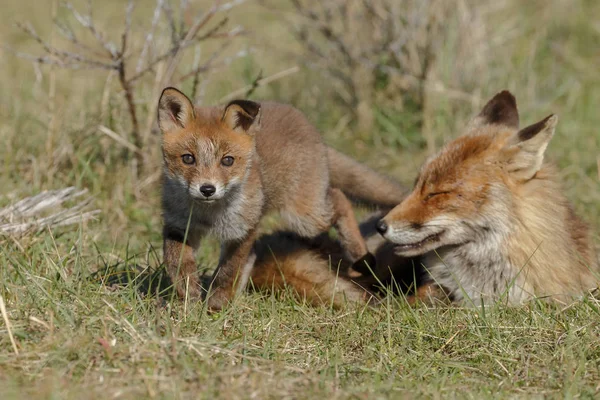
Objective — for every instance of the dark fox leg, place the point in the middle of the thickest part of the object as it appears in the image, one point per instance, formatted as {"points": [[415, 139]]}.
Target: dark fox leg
{"points": [[230, 277], [180, 262]]}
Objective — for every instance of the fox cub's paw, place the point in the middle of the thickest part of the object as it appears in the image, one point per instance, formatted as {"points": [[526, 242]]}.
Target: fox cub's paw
{"points": [[189, 291], [218, 300]]}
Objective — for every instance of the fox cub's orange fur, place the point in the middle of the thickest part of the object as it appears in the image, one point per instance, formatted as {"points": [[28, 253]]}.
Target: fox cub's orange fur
{"points": [[490, 218], [224, 167]]}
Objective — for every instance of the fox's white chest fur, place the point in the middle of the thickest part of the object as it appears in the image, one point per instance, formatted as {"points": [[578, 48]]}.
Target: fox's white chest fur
{"points": [[227, 219], [477, 273]]}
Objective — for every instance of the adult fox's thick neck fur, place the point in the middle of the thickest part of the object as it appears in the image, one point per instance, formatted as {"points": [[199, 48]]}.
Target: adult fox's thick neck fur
{"points": [[225, 167], [490, 216]]}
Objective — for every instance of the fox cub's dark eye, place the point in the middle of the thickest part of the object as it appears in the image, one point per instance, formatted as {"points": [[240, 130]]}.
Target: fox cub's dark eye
{"points": [[227, 161], [188, 159]]}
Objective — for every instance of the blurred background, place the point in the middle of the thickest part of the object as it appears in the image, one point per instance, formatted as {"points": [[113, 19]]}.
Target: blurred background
{"points": [[387, 81]]}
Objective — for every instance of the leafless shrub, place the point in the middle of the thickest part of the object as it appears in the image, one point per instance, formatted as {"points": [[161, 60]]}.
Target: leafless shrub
{"points": [[45, 210], [389, 54], [156, 58]]}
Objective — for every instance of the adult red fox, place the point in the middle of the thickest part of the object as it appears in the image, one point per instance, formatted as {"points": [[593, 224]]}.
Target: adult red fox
{"points": [[225, 167], [490, 218]]}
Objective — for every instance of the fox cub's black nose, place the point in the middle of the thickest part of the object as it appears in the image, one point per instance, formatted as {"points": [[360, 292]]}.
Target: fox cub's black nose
{"points": [[208, 190], [382, 226]]}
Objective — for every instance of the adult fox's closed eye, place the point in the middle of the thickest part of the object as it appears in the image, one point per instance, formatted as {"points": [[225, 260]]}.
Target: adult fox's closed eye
{"points": [[224, 167]]}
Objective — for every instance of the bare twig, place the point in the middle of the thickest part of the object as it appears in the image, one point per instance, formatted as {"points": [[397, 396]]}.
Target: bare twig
{"points": [[196, 71], [168, 12], [127, 29], [254, 84], [64, 56], [127, 87], [186, 40], [209, 64], [259, 83], [88, 23], [48, 60], [184, 8], [69, 35], [150, 35], [119, 139], [173, 51], [229, 5]]}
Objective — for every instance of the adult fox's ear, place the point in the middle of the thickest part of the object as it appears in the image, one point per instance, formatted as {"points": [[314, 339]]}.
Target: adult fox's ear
{"points": [[525, 150], [175, 110], [500, 110], [242, 116]]}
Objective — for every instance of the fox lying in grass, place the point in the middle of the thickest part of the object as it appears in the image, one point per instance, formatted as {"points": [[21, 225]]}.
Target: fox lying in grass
{"points": [[225, 167], [490, 219], [317, 270]]}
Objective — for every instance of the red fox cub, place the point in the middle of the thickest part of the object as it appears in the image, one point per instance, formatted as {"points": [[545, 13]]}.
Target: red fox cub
{"points": [[489, 216], [225, 167]]}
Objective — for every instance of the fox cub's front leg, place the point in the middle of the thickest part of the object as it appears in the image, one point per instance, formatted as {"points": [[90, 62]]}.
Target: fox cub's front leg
{"points": [[235, 264], [180, 261]]}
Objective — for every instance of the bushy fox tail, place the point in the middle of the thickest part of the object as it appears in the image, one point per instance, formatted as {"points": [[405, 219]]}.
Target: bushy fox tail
{"points": [[362, 183], [287, 262]]}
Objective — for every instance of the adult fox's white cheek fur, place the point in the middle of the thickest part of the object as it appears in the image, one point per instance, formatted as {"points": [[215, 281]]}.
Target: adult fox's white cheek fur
{"points": [[415, 239]]}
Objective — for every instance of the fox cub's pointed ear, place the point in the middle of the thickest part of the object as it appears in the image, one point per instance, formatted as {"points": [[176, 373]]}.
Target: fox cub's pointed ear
{"points": [[175, 110], [526, 148], [500, 110], [242, 116]]}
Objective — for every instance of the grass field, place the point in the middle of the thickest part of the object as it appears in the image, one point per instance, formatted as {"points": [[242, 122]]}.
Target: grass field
{"points": [[76, 338]]}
